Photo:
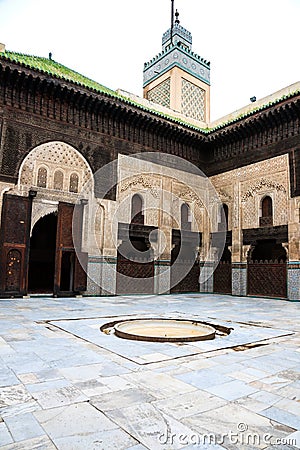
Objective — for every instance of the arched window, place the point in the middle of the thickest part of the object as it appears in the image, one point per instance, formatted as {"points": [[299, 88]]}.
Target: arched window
{"points": [[58, 180], [137, 209], [186, 218], [42, 177], [266, 212], [74, 180], [223, 220]]}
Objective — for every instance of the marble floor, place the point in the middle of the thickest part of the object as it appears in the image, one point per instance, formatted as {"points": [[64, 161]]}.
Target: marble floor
{"points": [[66, 385]]}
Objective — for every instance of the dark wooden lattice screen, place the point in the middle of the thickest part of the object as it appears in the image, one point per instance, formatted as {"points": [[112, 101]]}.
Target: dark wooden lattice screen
{"points": [[182, 282], [223, 278], [267, 278], [139, 276]]}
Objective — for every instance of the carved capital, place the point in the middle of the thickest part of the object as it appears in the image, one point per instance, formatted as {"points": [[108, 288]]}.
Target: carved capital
{"points": [[245, 252]]}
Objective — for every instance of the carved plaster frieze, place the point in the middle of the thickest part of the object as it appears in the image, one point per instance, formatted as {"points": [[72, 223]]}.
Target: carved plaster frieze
{"points": [[262, 184], [192, 196], [224, 195], [141, 180]]}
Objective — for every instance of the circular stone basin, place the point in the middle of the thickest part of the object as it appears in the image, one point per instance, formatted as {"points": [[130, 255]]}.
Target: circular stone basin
{"points": [[164, 330]]}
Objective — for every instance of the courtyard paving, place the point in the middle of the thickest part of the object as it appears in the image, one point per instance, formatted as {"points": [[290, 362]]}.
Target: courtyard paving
{"points": [[66, 385]]}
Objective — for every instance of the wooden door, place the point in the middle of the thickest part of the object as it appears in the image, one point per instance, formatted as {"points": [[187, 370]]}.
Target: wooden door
{"points": [[70, 263], [14, 244]]}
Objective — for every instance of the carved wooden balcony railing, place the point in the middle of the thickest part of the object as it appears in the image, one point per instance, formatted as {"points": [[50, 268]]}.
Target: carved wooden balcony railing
{"points": [[266, 221]]}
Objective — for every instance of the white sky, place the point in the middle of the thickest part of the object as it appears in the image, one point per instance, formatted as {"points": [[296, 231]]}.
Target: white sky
{"points": [[253, 45]]}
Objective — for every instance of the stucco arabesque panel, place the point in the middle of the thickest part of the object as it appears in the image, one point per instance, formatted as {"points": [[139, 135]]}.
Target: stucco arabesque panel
{"points": [[54, 156], [255, 181]]}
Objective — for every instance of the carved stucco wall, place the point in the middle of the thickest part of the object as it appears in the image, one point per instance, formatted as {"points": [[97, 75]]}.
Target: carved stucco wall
{"points": [[162, 196], [248, 185], [54, 156], [4, 188], [163, 190]]}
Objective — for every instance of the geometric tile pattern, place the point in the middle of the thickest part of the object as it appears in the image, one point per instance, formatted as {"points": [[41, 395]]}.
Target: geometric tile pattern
{"points": [[192, 100], [161, 93], [294, 283]]}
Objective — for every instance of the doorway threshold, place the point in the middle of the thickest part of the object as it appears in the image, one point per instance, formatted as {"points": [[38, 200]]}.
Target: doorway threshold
{"points": [[40, 294]]}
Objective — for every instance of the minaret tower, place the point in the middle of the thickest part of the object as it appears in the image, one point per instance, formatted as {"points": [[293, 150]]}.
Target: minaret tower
{"points": [[178, 78]]}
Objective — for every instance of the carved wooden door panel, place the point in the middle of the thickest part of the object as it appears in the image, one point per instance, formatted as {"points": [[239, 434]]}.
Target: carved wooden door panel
{"points": [[70, 272], [14, 244], [80, 272]]}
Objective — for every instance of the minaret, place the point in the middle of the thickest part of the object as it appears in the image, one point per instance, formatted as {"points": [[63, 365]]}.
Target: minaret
{"points": [[178, 78]]}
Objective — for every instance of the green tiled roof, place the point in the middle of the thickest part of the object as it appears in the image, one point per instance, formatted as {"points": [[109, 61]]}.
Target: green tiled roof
{"points": [[62, 72], [253, 110], [55, 69]]}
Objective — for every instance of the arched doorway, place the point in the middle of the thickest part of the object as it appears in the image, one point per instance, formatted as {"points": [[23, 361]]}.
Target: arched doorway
{"points": [[42, 255], [56, 171]]}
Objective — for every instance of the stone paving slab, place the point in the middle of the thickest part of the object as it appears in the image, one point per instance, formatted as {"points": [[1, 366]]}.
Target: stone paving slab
{"points": [[66, 386], [147, 352]]}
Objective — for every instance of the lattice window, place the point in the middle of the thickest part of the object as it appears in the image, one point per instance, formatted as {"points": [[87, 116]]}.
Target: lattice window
{"points": [[161, 93], [58, 180], [42, 177], [192, 100], [74, 181], [266, 207]]}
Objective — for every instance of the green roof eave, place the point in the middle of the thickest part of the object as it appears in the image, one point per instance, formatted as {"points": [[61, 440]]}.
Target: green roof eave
{"points": [[57, 70], [259, 108], [53, 68]]}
